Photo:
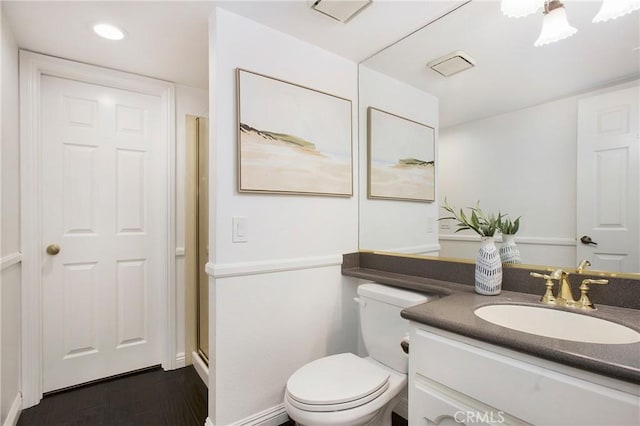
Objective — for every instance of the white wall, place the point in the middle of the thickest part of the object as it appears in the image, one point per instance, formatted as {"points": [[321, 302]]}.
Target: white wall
{"points": [[393, 225], [189, 101], [279, 300], [10, 230], [522, 163]]}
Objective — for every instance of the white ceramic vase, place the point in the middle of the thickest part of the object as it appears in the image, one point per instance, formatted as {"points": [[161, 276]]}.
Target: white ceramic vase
{"points": [[509, 252], [488, 268]]}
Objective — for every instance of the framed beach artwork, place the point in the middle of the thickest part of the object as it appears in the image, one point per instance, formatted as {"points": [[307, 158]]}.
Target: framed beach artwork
{"points": [[401, 157], [292, 139]]}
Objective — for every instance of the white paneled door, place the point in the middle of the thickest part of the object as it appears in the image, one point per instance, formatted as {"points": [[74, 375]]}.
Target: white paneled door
{"points": [[103, 184], [608, 204]]}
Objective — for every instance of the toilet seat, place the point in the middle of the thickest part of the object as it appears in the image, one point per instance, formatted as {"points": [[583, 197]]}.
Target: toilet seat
{"points": [[337, 382]]}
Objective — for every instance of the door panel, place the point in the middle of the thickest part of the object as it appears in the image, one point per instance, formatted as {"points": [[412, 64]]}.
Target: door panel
{"points": [[78, 300], [130, 202], [104, 175], [131, 294]]}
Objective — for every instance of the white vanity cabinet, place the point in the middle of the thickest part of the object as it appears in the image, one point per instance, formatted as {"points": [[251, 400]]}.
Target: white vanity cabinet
{"points": [[456, 380]]}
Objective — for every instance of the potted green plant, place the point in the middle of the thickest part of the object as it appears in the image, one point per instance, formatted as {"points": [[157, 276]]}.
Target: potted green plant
{"points": [[476, 220], [488, 272], [508, 227], [509, 252]]}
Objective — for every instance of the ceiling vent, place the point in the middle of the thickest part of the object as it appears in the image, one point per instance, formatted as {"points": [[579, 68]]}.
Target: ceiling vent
{"points": [[452, 63], [340, 10]]}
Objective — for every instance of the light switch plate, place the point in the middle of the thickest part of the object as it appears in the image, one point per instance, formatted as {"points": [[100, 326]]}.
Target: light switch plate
{"points": [[430, 223], [240, 230]]}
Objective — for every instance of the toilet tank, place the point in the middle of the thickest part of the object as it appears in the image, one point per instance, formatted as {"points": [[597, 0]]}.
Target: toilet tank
{"points": [[382, 326]]}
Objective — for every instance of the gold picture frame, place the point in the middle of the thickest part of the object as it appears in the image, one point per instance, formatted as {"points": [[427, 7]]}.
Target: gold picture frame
{"points": [[292, 139], [400, 158]]}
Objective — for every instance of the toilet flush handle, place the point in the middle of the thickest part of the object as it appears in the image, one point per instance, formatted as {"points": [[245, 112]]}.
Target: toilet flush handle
{"points": [[404, 344]]}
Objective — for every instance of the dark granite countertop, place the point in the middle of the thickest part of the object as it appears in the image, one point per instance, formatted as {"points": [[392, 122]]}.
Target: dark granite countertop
{"points": [[454, 312]]}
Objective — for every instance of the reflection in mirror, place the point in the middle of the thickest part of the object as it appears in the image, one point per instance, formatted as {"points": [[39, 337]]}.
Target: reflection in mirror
{"points": [[548, 133], [401, 157]]}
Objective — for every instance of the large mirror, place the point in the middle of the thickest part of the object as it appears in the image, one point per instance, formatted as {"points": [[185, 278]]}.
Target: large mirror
{"points": [[548, 133]]}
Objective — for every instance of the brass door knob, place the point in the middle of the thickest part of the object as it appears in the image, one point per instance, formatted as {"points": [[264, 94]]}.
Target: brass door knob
{"points": [[53, 249]]}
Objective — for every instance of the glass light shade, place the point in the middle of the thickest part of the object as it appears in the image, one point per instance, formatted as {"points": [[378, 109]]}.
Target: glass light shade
{"points": [[612, 9], [555, 27], [520, 8]]}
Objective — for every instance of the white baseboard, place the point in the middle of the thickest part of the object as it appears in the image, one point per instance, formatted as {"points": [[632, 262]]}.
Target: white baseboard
{"points": [[201, 367], [181, 360], [277, 415], [273, 416], [14, 411]]}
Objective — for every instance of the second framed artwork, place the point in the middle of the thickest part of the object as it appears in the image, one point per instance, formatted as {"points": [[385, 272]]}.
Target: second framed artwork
{"points": [[401, 158], [292, 139]]}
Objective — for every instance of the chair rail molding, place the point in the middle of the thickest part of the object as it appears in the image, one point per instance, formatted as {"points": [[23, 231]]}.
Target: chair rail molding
{"points": [[538, 241], [217, 270], [10, 260]]}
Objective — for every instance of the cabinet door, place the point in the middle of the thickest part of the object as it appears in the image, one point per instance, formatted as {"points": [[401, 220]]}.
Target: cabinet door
{"points": [[481, 375], [428, 406]]}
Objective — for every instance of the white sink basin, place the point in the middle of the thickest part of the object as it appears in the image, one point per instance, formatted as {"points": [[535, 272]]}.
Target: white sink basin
{"points": [[558, 324]]}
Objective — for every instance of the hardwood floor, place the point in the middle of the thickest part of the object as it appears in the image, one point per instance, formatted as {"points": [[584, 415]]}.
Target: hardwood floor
{"points": [[153, 397]]}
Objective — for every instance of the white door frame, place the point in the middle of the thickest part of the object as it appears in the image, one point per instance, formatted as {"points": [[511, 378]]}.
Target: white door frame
{"points": [[32, 67]]}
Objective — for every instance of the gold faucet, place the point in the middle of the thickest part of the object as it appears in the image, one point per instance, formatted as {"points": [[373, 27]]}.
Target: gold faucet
{"points": [[564, 297], [548, 297], [584, 302], [582, 265]]}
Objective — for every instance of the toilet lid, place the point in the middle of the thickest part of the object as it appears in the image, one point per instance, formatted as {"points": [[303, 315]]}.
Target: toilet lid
{"points": [[336, 379]]}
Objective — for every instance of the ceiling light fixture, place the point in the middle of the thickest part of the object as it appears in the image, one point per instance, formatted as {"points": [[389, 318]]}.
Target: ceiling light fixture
{"points": [[108, 31], [520, 8], [554, 24], [612, 9]]}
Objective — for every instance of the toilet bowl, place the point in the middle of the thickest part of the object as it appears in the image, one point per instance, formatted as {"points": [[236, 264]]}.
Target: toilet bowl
{"points": [[343, 390], [347, 390]]}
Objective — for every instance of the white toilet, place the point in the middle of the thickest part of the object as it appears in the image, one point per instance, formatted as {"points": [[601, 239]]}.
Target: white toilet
{"points": [[346, 390]]}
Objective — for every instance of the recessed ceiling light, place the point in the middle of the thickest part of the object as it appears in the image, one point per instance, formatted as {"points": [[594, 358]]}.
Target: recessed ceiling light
{"points": [[108, 31]]}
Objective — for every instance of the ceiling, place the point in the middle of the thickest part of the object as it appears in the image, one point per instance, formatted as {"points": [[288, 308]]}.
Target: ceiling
{"points": [[169, 39], [166, 40], [510, 72], [377, 26]]}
